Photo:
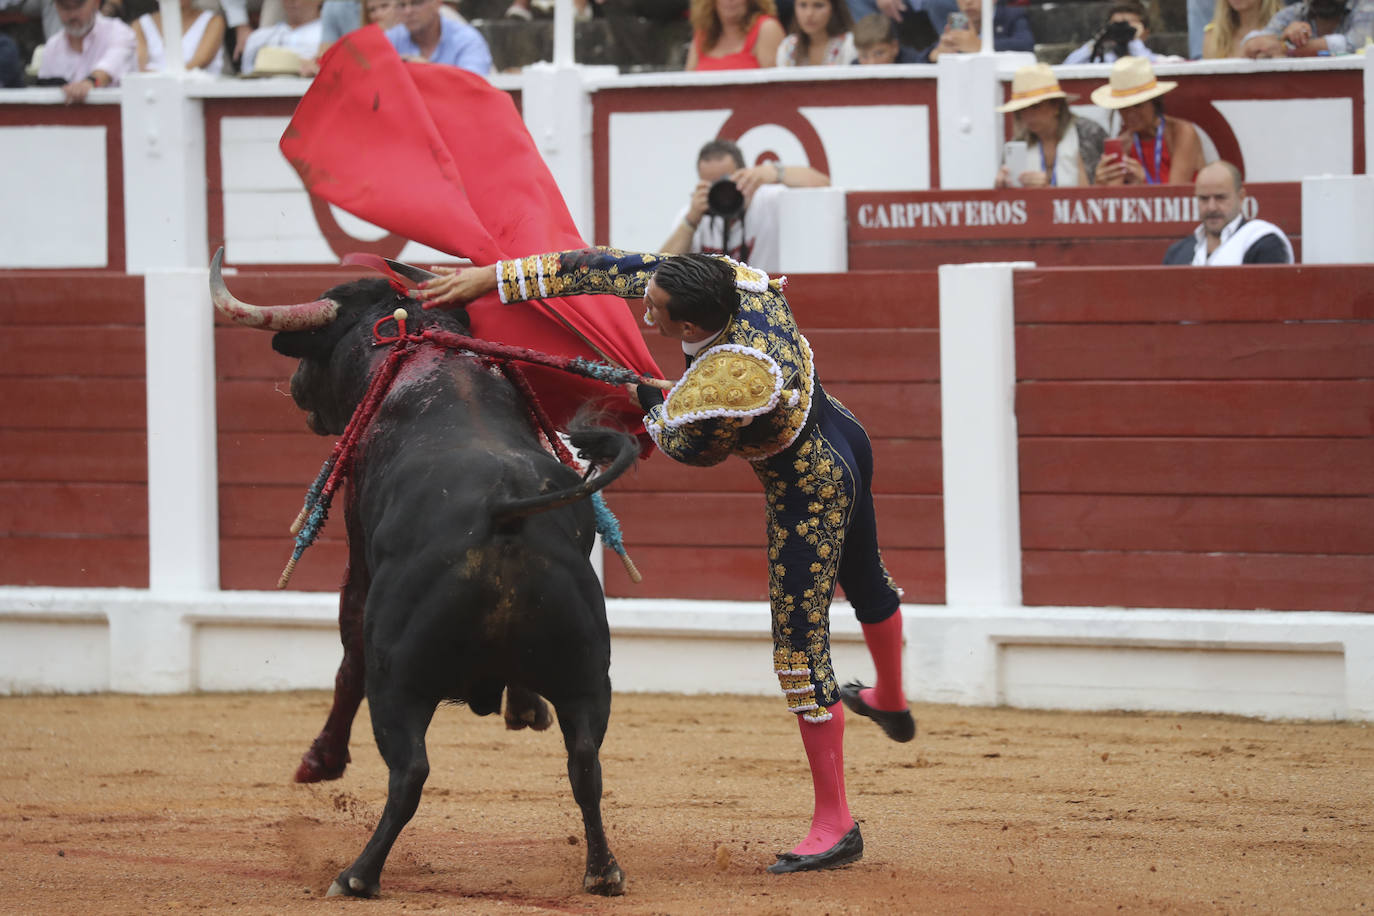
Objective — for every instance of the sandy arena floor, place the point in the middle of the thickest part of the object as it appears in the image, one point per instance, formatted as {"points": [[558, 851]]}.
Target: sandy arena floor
{"points": [[122, 804]]}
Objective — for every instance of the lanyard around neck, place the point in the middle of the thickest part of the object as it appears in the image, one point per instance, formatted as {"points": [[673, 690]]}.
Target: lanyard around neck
{"points": [[1157, 178], [1048, 169]]}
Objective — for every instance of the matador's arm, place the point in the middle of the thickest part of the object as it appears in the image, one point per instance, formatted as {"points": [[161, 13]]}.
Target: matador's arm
{"points": [[586, 271]]}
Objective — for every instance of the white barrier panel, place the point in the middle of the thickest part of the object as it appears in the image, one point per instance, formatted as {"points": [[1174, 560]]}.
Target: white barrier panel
{"points": [[1338, 220], [812, 236], [978, 438]]}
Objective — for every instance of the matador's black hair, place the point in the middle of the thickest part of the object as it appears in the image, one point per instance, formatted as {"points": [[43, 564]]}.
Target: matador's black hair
{"points": [[701, 289]]}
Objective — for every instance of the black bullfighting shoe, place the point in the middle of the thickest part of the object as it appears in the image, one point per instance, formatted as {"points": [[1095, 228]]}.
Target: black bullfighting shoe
{"points": [[850, 848], [897, 724]]}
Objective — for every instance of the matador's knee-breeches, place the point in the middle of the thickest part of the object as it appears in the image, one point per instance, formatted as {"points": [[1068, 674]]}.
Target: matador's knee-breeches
{"points": [[821, 531]]}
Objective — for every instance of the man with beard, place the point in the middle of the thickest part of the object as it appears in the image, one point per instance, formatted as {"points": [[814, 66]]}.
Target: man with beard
{"points": [[1225, 236], [91, 52]]}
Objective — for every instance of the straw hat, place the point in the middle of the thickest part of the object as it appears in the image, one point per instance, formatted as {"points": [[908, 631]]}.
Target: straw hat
{"points": [[275, 61], [1132, 82], [1032, 85]]}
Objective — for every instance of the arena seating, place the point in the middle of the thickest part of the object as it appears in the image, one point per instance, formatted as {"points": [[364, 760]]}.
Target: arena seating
{"points": [[622, 35]]}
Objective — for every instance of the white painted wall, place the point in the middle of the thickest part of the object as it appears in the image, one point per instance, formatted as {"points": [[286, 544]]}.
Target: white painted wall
{"points": [[53, 190]]}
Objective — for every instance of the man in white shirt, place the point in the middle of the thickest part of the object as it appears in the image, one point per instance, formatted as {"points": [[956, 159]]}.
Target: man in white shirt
{"points": [[91, 52], [300, 32], [742, 221], [1225, 237]]}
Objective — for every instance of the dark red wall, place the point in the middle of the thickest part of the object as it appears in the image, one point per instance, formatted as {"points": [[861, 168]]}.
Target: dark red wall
{"points": [[1189, 438], [1197, 437], [73, 447]]}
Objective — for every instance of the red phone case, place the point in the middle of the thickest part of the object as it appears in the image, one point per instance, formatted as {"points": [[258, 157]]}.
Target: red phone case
{"points": [[1112, 147]]}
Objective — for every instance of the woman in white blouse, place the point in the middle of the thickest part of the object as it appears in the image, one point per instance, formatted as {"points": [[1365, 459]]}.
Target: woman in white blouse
{"points": [[202, 40], [820, 35]]}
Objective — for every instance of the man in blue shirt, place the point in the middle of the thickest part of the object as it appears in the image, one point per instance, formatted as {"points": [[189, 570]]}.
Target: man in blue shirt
{"points": [[424, 34]]}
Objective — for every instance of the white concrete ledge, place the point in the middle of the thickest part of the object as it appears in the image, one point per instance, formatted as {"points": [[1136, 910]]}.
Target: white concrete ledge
{"points": [[1311, 665]]}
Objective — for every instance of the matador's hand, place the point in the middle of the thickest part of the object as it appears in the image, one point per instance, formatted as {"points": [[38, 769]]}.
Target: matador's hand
{"points": [[456, 286]]}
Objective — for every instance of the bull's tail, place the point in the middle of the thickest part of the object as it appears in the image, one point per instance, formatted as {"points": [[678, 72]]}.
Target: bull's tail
{"points": [[610, 450]]}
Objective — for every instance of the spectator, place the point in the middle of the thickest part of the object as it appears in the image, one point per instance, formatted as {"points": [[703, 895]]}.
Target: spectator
{"points": [[1232, 22], [1157, 149], [745, 224], [1065, 148], [426, 34], [1198, 11], [45, 11], [875, 41], [337, 19], [299, 33], [202, 40], [734, 35], [1011, 31], [1225, 236], [11, 64], [382, 13], [1123, 35], [92, 51], [820, 36], [236, 17], [1312, 27], [897, 12]]}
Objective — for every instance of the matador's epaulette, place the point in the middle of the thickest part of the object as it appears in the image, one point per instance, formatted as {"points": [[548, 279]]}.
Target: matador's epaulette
{"points": [[726, 381]]}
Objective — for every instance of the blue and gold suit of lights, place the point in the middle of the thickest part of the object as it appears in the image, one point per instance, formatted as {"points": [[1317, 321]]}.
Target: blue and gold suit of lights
{"points": [[752, 391]]}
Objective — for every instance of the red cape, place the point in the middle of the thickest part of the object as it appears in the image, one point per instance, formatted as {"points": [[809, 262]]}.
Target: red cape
{"points": [[437, 155]]}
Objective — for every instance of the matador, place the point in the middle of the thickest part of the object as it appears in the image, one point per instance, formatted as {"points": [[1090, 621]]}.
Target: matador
{"points": [[751, 389]]}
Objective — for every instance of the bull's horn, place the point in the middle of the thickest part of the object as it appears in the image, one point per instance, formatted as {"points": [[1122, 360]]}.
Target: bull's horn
{"points": [[410, 271], [301, 317]]}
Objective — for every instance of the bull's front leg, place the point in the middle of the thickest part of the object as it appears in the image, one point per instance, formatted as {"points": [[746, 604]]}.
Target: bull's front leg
{"points": [[328, 754]]}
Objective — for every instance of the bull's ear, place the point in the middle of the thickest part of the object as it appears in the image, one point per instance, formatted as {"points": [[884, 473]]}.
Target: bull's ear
{"points": [[306, 344]]}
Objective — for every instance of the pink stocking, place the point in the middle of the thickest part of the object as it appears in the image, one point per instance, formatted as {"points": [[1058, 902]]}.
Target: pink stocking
{"points": [[884, 642], [824, 743]]}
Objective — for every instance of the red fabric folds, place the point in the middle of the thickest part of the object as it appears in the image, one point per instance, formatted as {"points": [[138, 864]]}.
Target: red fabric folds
{"points": [[438, 155]]}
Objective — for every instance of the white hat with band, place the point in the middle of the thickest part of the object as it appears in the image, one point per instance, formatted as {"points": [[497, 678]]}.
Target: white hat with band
{"points": [[1132, 82], [1031, 86]]}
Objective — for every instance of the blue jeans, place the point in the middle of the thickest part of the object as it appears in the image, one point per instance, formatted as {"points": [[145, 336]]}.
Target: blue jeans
{"points": [[338, 18], [1199, 14], [938, 10]]}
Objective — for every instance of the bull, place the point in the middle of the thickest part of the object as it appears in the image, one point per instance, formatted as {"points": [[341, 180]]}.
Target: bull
{"points": [[469, 569]]}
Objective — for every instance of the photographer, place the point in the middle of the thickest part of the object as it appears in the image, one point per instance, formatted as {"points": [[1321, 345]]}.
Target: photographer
{"points": [[1123, 36], [734, 210]]}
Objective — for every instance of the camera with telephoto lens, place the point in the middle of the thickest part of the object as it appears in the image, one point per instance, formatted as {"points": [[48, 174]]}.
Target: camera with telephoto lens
{"points": [[724, 199], [1117, 35]]}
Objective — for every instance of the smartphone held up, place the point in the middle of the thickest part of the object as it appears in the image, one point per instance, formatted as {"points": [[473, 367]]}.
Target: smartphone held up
{"points": [[1014, 153]]}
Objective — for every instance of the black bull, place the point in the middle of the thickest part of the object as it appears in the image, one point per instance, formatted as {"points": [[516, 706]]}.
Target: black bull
{"points": [[468, 558]]}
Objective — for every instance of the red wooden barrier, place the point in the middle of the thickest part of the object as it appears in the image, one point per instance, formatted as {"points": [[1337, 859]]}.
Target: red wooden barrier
{"points": [[694, 532], [1197, 437], [73, 454]]}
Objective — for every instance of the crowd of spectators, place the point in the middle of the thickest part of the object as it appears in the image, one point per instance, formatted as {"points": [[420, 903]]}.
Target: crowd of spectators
{"points": [[725, 34], [91, 44]]}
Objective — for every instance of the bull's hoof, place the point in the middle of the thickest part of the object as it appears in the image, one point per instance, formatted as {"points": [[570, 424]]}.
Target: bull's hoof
{"points": [[318, 765], [534, 714], [356, 887], [610, 883]]}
